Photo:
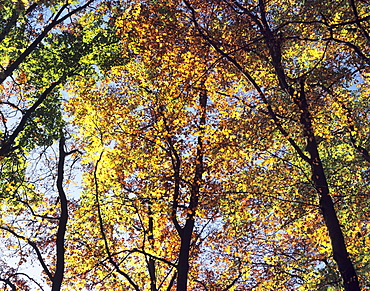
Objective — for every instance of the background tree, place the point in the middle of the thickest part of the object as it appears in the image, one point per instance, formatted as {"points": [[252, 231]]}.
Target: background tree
{"points": [[43, 45]]}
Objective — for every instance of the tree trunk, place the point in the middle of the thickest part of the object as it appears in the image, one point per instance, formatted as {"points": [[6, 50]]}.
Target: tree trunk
{"points": [[59, 270], [339, 248], [183, 266]]}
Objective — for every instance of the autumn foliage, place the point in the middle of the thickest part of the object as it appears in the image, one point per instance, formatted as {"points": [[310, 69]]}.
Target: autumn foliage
{"points": [[224, 145]]}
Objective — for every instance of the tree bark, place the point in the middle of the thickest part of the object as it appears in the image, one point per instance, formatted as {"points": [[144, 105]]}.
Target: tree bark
{"points": [[339, 248], [187, 231], [183, 265], [59, 270]]}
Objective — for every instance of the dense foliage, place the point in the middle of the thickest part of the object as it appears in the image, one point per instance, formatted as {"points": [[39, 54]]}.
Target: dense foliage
{"points": [[224, 144]]}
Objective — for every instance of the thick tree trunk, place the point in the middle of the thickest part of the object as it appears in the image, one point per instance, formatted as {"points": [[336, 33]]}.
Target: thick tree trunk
{"points": [[183, 265]]}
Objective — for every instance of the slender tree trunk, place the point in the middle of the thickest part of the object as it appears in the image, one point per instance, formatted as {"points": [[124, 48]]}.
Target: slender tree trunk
{"points": [[59, 271], [151, 267], [187, 231], [339, 248], [151, 262]]}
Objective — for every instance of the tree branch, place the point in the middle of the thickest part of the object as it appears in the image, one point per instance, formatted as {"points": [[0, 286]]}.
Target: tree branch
{"points": [[7, 146], [10, 69], [102, 231]]}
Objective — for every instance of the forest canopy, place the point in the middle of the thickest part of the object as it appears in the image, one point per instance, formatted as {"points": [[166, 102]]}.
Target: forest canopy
{"points": [[185, 145]]}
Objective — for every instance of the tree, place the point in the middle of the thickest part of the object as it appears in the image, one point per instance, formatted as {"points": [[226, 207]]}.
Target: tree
{"points": [[296, 82], [158, 152], [28, 217], [43, 45], [284, 140], [225, 144]]}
